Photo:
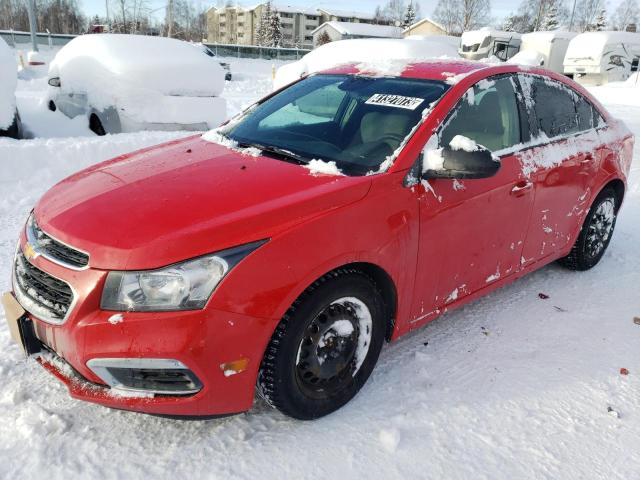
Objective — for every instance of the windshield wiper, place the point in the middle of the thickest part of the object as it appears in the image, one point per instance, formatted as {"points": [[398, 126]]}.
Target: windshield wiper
{"points": [[280, 152]]}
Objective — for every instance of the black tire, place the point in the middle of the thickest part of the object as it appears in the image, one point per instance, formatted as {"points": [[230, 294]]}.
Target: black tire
{"points": [[596, 233], [15, 129], [52, 106], [293, 378], [95, 125]]}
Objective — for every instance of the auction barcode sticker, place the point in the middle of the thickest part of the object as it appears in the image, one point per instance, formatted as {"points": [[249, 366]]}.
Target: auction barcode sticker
{"points": [[397, 101]]}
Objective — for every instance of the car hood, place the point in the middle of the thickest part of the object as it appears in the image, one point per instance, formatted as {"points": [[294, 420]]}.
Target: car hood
{"points": [[182, 199]]}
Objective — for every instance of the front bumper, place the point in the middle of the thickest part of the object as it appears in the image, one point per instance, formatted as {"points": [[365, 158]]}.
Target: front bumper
{"points": [[205, 341]]}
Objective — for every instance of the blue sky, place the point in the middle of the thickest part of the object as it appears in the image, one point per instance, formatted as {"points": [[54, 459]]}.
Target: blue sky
{"points": [[499, 8]]}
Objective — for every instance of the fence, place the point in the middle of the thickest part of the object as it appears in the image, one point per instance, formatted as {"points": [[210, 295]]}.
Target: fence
{"points": [[23, 40]]}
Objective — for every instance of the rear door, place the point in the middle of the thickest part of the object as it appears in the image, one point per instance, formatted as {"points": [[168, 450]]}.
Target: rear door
{"points": [[471, 231], [561, 165]]}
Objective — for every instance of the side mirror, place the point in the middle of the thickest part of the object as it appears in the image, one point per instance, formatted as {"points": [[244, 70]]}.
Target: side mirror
{"points": [[54, 81], [464, 164]]}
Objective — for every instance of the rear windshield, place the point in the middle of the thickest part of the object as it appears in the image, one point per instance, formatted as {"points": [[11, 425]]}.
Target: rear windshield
{"points": [[355, 121]]}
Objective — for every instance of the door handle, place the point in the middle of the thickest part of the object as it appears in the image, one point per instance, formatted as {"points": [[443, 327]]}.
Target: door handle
{"points": [[521, 188]]}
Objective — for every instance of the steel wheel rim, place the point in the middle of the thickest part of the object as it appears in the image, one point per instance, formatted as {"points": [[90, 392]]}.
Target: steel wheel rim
{"points": [[334, 346], [600, 228]]}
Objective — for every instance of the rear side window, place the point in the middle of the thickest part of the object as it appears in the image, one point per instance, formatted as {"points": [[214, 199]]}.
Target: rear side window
{"points": [[585, 113], [487, 114], [554, 107]]}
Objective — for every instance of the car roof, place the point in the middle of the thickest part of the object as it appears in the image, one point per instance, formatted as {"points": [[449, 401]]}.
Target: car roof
{"points": [[437, 69]]}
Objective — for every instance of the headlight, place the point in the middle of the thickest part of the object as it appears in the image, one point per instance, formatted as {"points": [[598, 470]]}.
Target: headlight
{"points": [[182, 286]]}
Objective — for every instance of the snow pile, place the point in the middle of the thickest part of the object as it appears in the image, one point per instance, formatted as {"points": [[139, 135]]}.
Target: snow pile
{"points": [[530, 58], [320, 167], [150, 79], [370, 51], [8, 79], [214, 136], [460, 142]]}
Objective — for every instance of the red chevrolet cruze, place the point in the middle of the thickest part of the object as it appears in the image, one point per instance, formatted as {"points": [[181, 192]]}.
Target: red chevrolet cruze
{"points": [[283, 249]]}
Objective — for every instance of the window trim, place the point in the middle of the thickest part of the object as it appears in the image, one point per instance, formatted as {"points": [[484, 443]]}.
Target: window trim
{"points": [[521, 111]]}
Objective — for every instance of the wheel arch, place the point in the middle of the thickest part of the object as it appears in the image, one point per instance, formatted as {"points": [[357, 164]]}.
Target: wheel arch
{"points": [[618, 187]]}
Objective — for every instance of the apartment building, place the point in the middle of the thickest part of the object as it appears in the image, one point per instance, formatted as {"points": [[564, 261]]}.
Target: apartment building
{"points": [[237, 25]]}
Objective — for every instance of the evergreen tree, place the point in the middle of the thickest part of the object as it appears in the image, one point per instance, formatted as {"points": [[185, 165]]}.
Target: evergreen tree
{"points": [[550, 20], [274, 32], [409, 16], [263, 25]]}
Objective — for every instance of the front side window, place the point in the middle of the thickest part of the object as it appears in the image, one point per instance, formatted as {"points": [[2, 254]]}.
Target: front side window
{"points": [[487, 114], [356, 121]]}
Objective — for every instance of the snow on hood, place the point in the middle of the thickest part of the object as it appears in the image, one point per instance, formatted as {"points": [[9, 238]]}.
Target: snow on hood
{"points": [[184, 199], [374, 54], [135, 71], [8, 81]]}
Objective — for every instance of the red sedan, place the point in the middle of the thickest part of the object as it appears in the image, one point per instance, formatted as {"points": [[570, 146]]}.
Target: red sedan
{"points": [[283, 249]]}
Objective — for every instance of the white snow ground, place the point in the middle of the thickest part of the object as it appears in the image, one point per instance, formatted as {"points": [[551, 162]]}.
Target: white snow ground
{"points": [[511, 386]]}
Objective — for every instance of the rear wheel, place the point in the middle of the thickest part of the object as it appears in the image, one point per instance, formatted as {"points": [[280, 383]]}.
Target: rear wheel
{"points": [[596, 233], [325, 347], [95, 125]]}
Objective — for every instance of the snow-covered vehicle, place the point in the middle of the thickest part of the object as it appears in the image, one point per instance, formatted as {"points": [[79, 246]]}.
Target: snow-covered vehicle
{"points": [[225, 66], [126, 83], [596, 58], [544, 49], [486, 43], [366, 50], [9, 118]]}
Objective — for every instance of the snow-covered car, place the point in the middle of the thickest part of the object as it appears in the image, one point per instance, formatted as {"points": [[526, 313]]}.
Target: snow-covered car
{"points": [[125, 83], [488, 43], [284, 248], [366, 50], [228, 76], [596, 58], [10, 125], [544, 49]]}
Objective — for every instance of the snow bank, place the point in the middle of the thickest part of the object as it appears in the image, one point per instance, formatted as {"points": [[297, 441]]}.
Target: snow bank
{"points": [[527, 57], [149, 78], [8, 80], [369, 52]]}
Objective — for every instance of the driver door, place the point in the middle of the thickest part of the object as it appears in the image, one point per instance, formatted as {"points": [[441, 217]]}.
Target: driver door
{"points": [[472, 231]]}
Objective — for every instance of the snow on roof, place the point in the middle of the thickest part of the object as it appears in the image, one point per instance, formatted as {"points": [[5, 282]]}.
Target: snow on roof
{"points": [[363, 29], [369, 51], [347, 13], [548, 36], [477, 36], [424, 20], [295, 9], [592, 44], [8, 81]]}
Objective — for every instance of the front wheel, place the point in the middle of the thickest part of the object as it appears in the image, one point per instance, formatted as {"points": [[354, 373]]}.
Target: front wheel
{"points": [[325, 347], [596, 233]]}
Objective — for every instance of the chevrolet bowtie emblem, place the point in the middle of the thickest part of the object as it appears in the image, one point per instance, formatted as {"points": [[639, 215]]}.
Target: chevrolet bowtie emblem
{"points": [[29, 252]]}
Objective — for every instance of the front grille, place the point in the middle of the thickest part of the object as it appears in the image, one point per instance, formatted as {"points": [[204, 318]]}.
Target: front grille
{"points": [[53, 249], [39, 293]]}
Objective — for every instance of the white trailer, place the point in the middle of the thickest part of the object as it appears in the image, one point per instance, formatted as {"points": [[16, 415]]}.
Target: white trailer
{"points": [[544, 49], [596, 58], [486, 42]]}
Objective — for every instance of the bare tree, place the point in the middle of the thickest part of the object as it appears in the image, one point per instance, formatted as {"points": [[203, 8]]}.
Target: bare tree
{"points": [[459, 16], [586, 14], [626, 14], [57, 16]]}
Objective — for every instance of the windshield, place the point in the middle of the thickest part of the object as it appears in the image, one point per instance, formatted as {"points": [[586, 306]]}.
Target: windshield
{"points": [[354, 121]]}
